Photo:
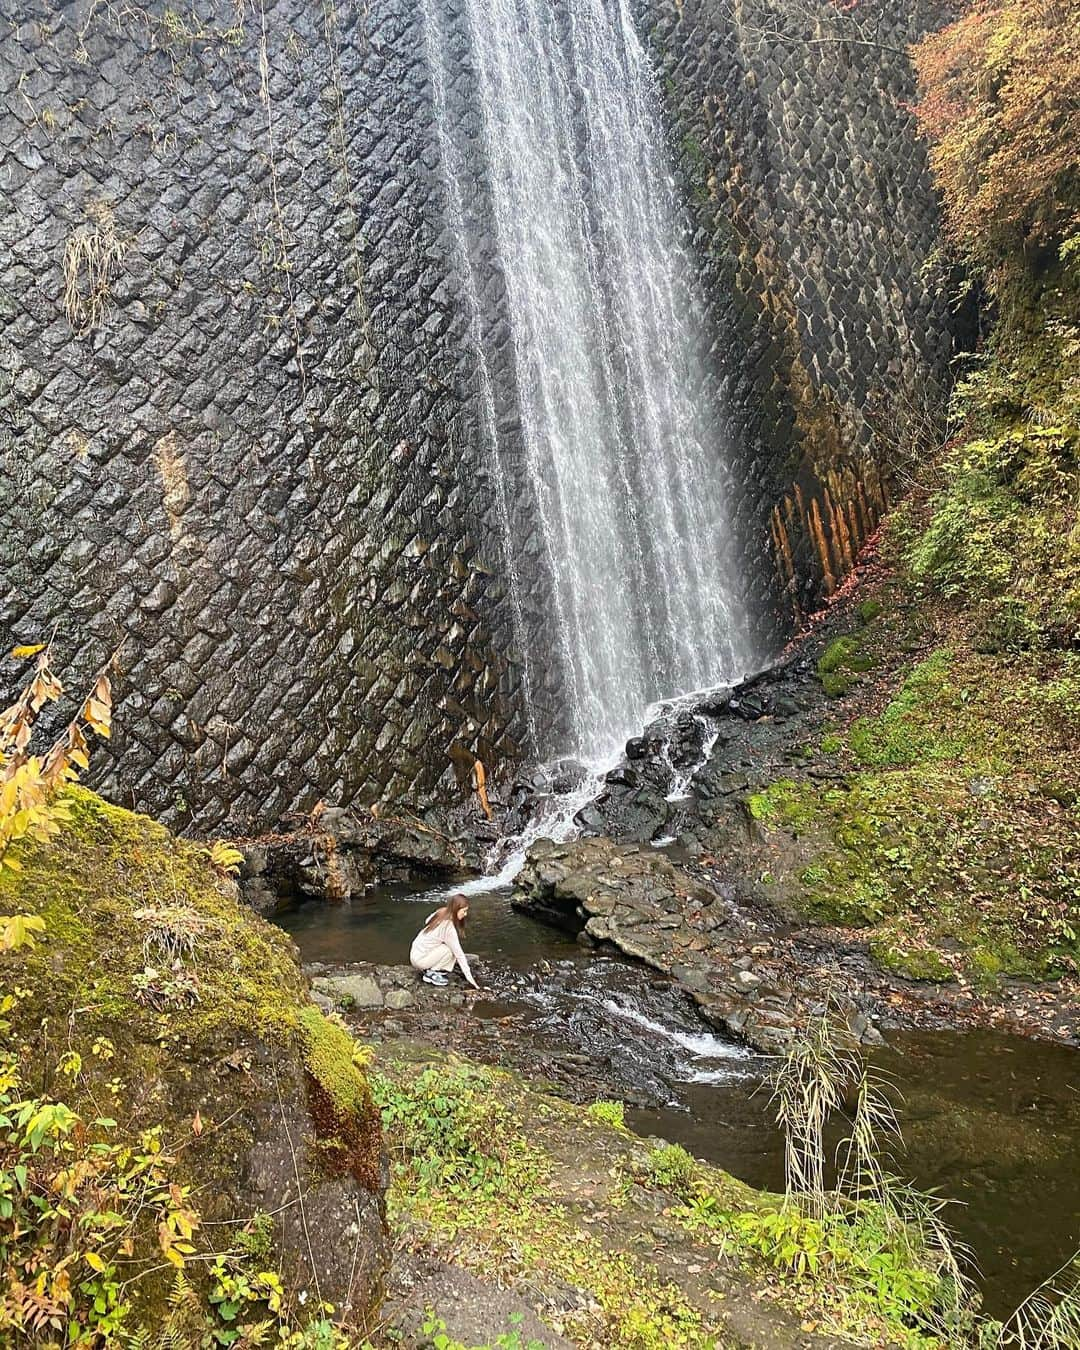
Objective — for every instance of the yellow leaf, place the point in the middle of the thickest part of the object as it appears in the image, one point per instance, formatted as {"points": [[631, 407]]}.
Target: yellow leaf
{"points": [[24, 653], [94, 1261], [171, 1254], [17, 930]]}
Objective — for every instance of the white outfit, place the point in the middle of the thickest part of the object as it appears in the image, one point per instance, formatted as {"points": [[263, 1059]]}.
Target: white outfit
{"points": [[439, 948]]}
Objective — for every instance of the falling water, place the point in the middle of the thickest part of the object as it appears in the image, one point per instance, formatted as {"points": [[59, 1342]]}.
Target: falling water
{"points": [[624, 453]]}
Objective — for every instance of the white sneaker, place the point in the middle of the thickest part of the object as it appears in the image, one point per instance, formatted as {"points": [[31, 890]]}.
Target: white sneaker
{"points": [[435, 977]]}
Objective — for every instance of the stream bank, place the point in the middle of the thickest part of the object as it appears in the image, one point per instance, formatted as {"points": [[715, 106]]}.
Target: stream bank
{"points": [[988, 1118]]}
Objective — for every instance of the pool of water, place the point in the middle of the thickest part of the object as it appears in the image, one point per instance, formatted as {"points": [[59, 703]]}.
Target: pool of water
{"points": [[990, 1121], [380, 928]]}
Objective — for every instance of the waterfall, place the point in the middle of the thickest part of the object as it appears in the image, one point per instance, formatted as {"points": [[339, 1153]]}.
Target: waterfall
{"points": [[556, 174]]}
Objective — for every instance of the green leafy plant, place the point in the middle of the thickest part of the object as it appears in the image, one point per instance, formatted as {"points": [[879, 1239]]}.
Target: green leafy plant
{"points": [[673, 1169], [435, 1329], [450, 1131], [885, 1240], [72, 1200], [609, 1113], [225, 857]]}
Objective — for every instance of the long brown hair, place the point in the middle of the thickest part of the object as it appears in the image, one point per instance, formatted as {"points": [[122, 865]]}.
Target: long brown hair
{"points": [[452, 911]]}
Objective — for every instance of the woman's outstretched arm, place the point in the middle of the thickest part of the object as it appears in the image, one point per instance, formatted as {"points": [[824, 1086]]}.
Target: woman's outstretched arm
{"points": [[454, 943]]}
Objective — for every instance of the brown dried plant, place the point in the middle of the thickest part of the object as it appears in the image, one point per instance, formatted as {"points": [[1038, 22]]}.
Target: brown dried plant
{"points": [[91, 257]]}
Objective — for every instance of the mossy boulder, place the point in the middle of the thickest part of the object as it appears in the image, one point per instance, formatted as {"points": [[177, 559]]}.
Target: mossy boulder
{"points": [[182, 1010], [841, 664]]}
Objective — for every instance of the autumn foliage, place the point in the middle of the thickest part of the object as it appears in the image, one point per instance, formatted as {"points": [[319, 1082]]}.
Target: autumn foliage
{"points": [[29, 783], [1000, 105]]}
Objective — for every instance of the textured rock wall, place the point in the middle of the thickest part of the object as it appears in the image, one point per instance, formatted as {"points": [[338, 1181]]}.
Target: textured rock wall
{"points": [[258, 477], [240, 432], [816, 226]]}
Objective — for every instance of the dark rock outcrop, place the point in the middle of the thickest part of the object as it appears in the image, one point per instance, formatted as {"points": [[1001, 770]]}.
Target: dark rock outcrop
{"points": [[339, 854], [640, 902]]}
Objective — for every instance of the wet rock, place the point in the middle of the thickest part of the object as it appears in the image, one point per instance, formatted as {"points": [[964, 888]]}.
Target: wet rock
{"points": [[340, 853], [397, 999], [350, 991], [623, 776], [749, 706], [627, 814], [695, 978], [566, 776]]}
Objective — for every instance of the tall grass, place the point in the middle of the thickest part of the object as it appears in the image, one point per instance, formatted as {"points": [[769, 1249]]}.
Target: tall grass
{"points": [[824, 1079], [1048, 1319]]}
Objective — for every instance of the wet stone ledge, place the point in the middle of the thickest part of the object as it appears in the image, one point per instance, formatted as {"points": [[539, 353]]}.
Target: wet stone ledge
{"points": [[637, 901]]}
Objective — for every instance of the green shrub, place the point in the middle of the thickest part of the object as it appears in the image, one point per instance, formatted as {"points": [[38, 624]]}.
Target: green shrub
{"points": [[673, 1169], [609, 1113], [1002, 538], [453, 1133]]}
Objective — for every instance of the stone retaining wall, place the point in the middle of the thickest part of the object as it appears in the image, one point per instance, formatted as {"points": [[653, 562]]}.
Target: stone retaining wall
{"points": [[239, 423], [816, 226]]}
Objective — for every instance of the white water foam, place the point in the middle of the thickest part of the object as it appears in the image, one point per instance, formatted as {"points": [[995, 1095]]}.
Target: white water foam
{"points": [[702, 1045]]}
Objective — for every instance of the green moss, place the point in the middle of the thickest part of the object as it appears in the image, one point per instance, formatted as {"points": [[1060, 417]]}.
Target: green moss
{"points": [[841, 664], [609, 1113], [837, 654], [917, 724], [90, 885], [674, 1169], [332, 1058], [784, 802], [984, 962], [158, 1040], [869, 610], [345, 1116], [836, 683], [914, 963], [961, 819]]}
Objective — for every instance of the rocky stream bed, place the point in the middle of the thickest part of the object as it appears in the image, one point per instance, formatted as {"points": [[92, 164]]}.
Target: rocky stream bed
{"points": [[645, 952]]}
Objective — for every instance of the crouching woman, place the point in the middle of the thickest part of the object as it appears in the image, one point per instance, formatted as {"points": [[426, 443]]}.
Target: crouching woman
{"points": [[437, 947]]}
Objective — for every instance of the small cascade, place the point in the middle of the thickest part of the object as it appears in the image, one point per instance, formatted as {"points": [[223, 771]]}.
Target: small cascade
{"points": [[553, 817]]}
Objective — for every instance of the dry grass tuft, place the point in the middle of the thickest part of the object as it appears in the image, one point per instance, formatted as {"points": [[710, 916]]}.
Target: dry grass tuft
{"points": [[91, 258]]}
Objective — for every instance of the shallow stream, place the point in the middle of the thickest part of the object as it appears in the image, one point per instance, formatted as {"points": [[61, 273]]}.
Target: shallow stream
{"points": [[989, 1120]]}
